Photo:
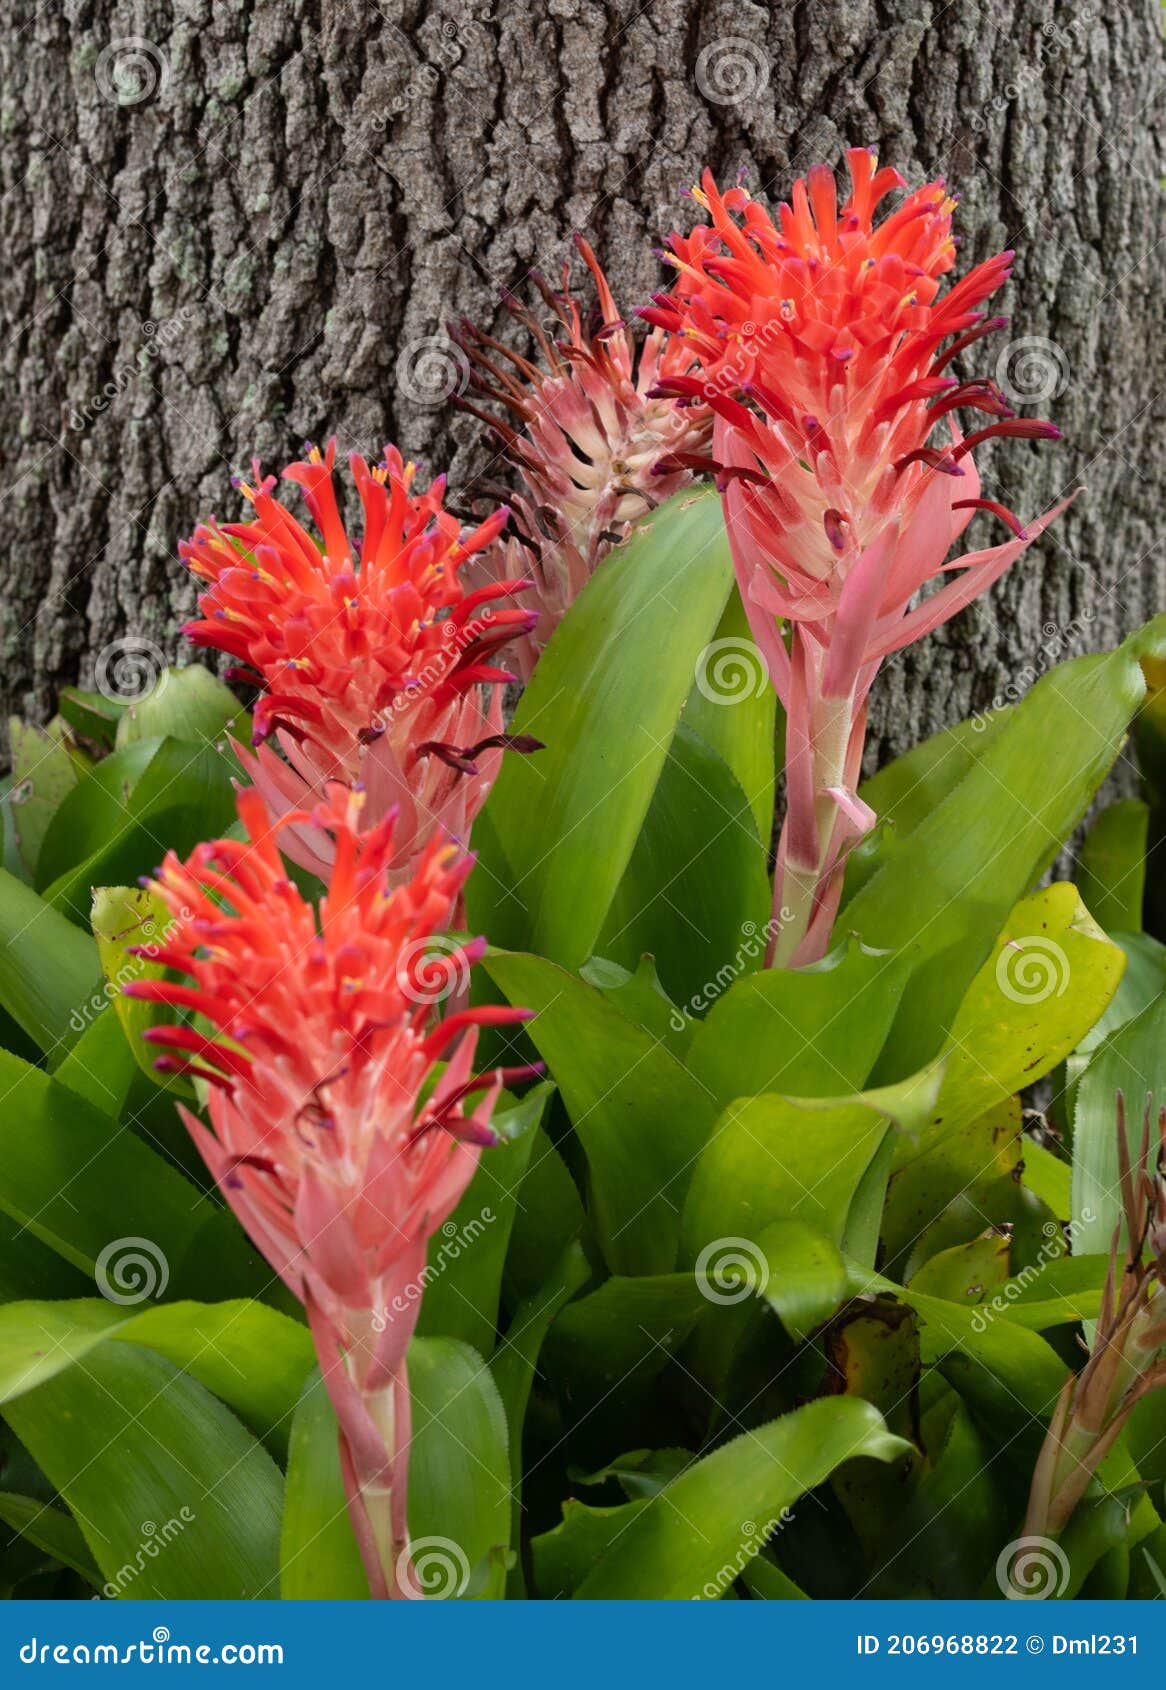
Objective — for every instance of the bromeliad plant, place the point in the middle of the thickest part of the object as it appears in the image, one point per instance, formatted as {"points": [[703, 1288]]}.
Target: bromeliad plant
{"points": [[700, 1234]]}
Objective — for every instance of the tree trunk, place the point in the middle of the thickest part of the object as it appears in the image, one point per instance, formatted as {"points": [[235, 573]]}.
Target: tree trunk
{"points": [[231, 227]]}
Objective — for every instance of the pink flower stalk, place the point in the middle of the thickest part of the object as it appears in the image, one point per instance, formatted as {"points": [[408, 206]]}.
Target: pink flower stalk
{"points": [[819, 342], [371, 653], [325, 1138], [593, 448]]}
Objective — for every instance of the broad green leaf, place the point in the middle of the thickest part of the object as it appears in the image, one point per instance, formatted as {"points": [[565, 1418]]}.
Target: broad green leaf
{"points": [[318, 1556], [549, 1210], [174, 1496], [641, 998], [805, 1276], [947, 887], [696, 889], [92, 714], [45, 767], [29, 1268], [564, 1556], [1133, 1061], [639, 1115], [733, 707], [773, 1158], [185, 795], [463, 1282], [623, 1333], [58, 1534], [806, 1032], [252, 1357], [81, 1182], [1050, 974], [948, 1184], [1006, 1368], [93, 811], [1049, 1178], [189, 704], [1113, 866], [904, 793], [49, 972], [701, 1531], [967, 1273], [605, 700], [459, 1473], [121, 917], [1144, 978]]}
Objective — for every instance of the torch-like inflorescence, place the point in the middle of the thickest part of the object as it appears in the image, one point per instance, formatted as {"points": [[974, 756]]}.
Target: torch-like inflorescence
{"points": [[824, 347], [592, 447], [371, 654], [1127, 1359], [336, 1136]]}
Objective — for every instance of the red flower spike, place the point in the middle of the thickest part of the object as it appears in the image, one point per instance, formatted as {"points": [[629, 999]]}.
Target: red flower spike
{"points": [[333, 1136], [365, 650], [818, 343]]}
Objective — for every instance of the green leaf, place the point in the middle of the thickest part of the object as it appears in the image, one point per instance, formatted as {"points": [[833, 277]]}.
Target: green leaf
{"points": [[701, 1531], [623, 1333], [79, 1181], [93, 811], [1132, 1060], [174, 1497], [1113, 866], [49, 972], [805, 1278], [639, 1115], [1050, 974], [185, 795], [733, 708], [318, 1556], [806, 1032], [467, 1254], [605, 700], [189, 704], [58, 1534], [246, 1353], [459, 1472], [696, 890], [92, 714], [909, 788], [45, 768], [773, 1158], [948, 886]]}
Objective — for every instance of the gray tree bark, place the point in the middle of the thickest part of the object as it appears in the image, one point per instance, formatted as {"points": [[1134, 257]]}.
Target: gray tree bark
{"points": [[230, 225]]}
